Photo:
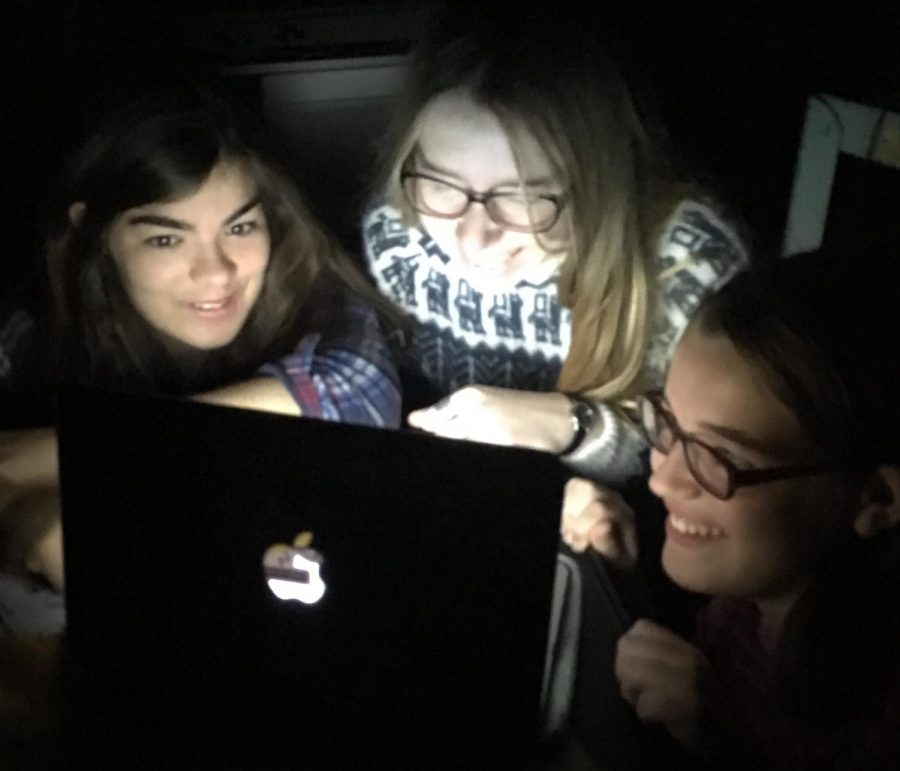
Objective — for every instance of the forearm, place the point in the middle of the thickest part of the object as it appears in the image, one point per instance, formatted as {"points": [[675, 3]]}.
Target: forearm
{"points": [[33, 535], [28, 460], [266, 394]]}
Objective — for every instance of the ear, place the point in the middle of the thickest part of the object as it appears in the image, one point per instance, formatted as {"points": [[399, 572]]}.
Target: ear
{"points": [[880, 502], [76, 212]]}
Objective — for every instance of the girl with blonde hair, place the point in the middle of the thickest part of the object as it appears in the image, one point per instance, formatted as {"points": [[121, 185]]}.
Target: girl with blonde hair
{"points": [[534, 234]]}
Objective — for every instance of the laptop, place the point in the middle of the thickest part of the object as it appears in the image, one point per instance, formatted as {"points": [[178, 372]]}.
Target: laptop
{"points": [[254, 590]]}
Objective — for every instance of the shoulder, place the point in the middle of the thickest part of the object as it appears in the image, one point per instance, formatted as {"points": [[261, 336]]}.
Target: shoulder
{"points": [[22, 365], [383, 220], [379, 209], [698, 233], [384, 229], [17, 328]]}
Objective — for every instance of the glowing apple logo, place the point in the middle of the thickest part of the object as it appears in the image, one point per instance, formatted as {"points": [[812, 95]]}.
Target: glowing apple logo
{"points": [[293, 572]]}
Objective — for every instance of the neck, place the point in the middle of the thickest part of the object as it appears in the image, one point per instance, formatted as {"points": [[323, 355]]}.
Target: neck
{"points": [[773, 610], [187, 359]]}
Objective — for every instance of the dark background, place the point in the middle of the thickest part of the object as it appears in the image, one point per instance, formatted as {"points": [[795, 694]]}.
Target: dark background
{"points": [[731, 83]]}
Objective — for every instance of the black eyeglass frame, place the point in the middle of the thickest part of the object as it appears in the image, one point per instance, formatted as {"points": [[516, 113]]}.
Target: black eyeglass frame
{"points": [[735, 477], [473, 196]]}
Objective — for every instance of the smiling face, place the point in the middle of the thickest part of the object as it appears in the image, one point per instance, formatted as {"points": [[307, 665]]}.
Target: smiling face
{"points": [[761, 542], [464, 144], [194, 267]]}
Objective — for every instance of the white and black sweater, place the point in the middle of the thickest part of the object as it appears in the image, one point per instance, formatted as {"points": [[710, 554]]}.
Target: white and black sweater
{"points": [[519, 339]]}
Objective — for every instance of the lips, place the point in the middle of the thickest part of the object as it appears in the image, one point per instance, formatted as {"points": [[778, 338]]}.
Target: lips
{"points": [[213, 305], [495, 263], [693, 528]]}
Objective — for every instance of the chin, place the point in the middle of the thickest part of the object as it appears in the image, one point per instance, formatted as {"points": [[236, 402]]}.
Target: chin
{"points": [[202, 342], [214, 343], [688, 577]]}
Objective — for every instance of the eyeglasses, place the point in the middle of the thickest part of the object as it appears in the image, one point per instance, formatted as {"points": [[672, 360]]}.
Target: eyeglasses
{"points": [[521, 211], [708, 465]]}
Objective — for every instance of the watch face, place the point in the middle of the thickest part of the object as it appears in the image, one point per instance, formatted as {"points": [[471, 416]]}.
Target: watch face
{"points": [[583, 414], [582, 420]]}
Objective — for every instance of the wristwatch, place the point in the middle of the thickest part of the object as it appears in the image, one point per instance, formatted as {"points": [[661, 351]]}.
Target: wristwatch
{"points": [[583, 414]]}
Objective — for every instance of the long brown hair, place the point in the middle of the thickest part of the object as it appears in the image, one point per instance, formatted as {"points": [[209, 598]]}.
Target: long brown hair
{"points": [[822, 330], [543, 75], [159, 148]]}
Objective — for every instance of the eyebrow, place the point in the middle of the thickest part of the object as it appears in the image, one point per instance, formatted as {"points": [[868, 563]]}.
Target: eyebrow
{"points": [[535, 182], [738, 437], [169, 222], [734, 435]]}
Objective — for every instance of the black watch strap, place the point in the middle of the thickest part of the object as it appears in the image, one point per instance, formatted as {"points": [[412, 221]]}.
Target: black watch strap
{"points": [[583, 414]]}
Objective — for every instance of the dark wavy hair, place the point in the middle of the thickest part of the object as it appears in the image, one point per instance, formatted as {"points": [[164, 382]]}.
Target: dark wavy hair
{"points": [[162, 147], [823, 328]]}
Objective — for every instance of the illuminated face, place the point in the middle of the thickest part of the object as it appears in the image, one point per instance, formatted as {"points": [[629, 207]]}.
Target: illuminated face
{"points": [[194, 267], [760, 542], [464, 144]]}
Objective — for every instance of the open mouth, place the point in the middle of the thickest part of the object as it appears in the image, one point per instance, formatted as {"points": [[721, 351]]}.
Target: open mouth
{"points": [[214, 306], [495, 264], [693, 529]]}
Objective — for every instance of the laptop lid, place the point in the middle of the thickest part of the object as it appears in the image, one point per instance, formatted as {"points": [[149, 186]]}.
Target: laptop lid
{"points": [[426, 645]]}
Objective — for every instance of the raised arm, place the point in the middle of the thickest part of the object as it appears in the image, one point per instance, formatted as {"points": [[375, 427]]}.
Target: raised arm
{"points": [[350, 377]]}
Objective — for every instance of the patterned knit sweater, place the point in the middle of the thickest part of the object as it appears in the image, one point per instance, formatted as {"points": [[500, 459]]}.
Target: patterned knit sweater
{"points": [[519, 339]]}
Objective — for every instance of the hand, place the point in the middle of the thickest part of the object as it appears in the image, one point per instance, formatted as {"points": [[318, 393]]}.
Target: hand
{"points": [[599, 517], [28, 460], [540, 421], [35, 535], [659, 675]]}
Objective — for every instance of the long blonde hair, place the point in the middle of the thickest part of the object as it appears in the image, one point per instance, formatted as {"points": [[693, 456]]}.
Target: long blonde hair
{"points": [[553, 82]]}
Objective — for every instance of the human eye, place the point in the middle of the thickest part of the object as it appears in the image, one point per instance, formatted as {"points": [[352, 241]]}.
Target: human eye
{"points": [[163, 241], [244, 228], [437, 187], [525, 208], [526, 194], [737, 459]]}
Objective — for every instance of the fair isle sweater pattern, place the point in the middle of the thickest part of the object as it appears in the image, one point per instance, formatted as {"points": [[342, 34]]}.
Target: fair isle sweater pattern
{"points": [[520, 338]]}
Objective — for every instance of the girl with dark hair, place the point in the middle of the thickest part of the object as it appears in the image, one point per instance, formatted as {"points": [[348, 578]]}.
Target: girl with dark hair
{"points": [[775, 448], [181, 260]]}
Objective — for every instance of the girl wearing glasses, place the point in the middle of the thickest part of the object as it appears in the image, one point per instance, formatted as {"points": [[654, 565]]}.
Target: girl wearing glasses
{"points": [[775, 448], [531, 231]]}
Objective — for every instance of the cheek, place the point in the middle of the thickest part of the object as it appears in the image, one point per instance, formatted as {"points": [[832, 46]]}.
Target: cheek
{"points": [[819, 522], [140, 273], [252, 255], [774, 539], [442, 231], [559, 238]]}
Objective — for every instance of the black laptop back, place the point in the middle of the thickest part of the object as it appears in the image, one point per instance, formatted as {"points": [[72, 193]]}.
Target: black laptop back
{"points": [[425, 650]]}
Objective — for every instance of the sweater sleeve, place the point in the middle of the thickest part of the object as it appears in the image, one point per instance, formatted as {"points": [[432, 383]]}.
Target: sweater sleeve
{"points": [[351, 378], [697, 253]]}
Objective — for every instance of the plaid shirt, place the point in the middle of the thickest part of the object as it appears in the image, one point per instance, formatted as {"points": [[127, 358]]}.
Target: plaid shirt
{"points": [[351, 378]]}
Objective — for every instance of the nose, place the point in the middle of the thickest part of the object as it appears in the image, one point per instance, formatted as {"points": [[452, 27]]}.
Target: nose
{"points": [[670, 476], [212, 264], [475, 230]]}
